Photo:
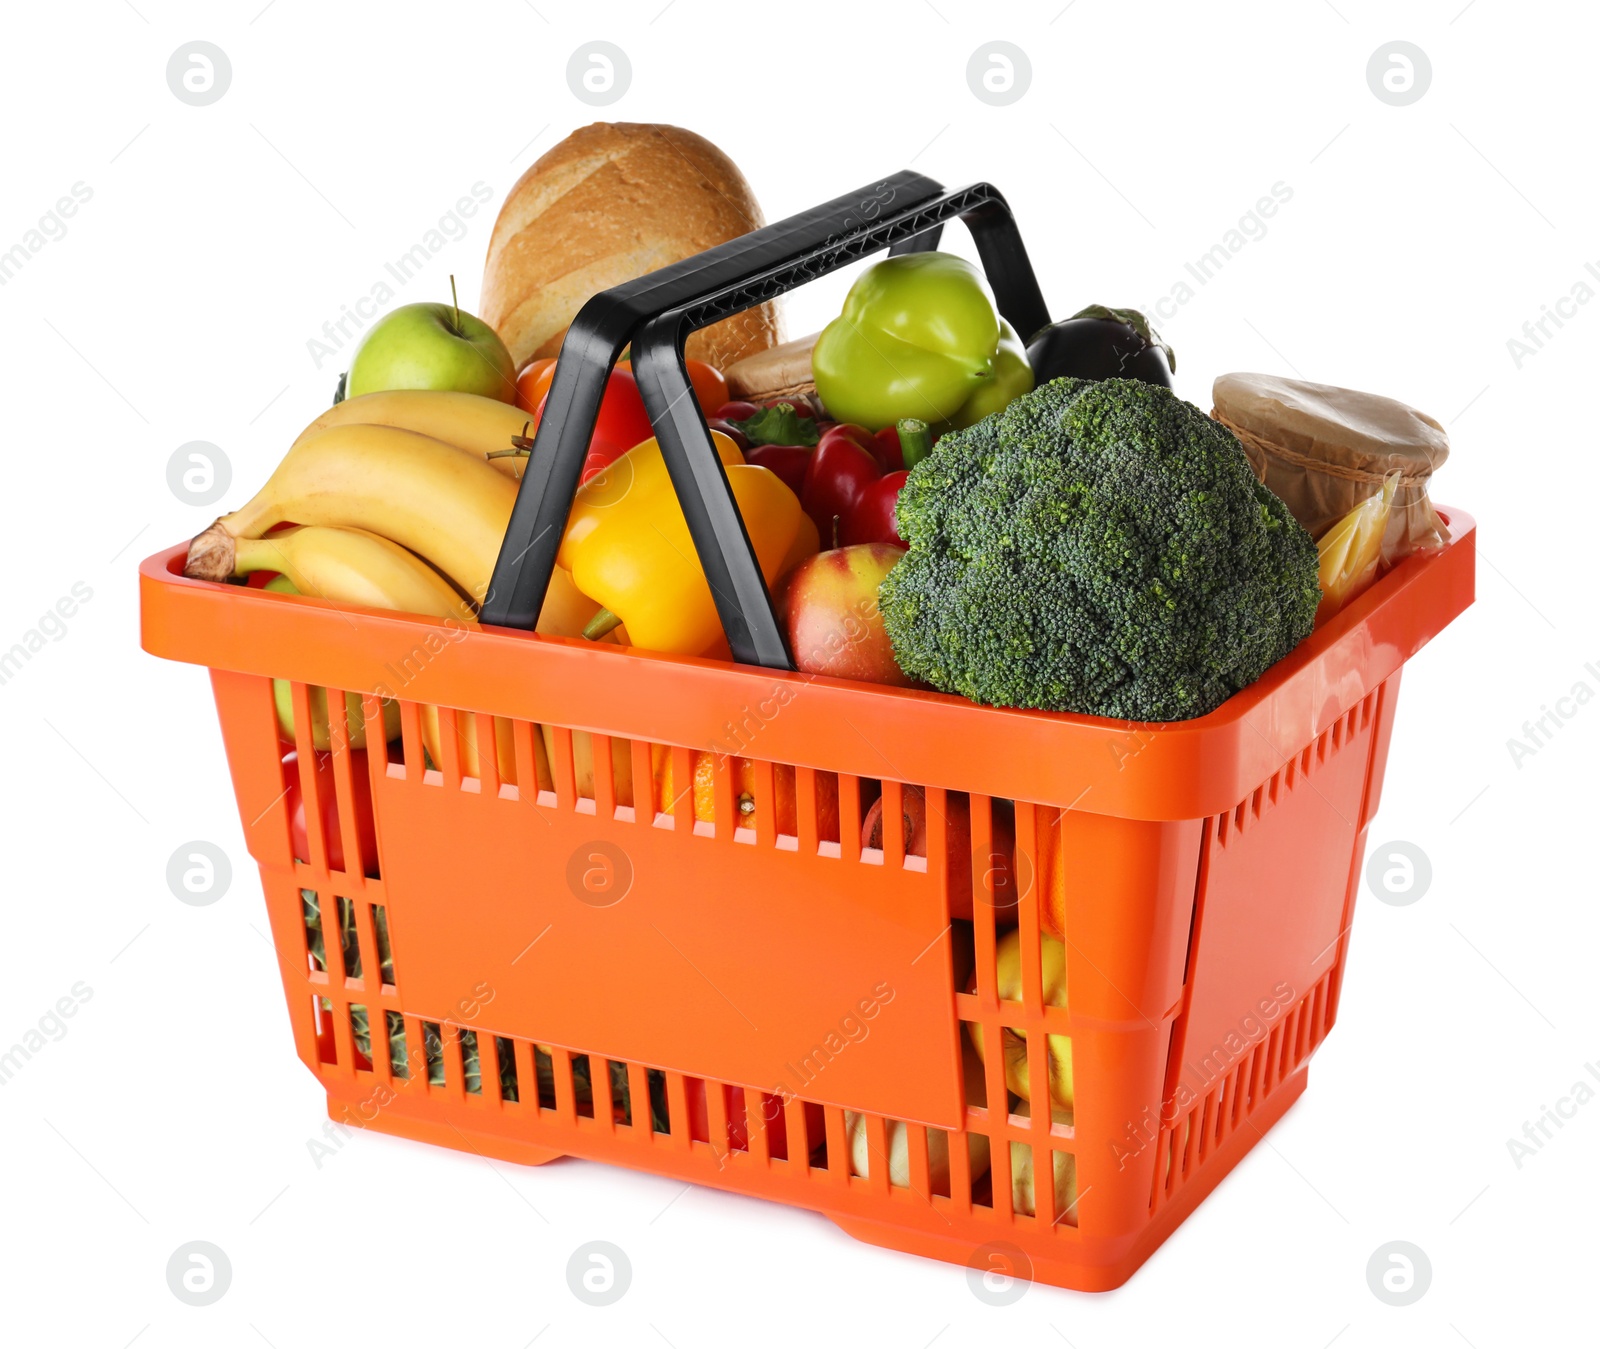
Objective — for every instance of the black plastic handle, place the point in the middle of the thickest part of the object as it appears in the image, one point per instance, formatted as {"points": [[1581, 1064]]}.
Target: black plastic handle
{"points": [[656, 313]]}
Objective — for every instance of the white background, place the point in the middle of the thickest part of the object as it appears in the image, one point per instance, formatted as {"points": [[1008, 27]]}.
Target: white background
{"points": [[178, 307]]}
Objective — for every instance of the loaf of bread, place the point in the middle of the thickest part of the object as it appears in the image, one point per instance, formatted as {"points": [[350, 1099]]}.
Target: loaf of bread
{"points": [[611, 202]]}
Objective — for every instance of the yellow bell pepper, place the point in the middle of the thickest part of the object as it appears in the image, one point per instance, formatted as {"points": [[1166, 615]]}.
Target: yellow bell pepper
{"points": [[628, 548]]}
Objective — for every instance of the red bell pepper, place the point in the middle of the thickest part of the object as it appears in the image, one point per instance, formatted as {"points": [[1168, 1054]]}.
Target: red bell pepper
{"points": [[887, 442], [789, 462], [858, 435], [884, 445], [871, 520], [845, 483], [839, 472]]}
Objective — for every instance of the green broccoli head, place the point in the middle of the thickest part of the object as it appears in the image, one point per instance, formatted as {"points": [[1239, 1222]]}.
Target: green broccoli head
{"points": [[1099, 547]]}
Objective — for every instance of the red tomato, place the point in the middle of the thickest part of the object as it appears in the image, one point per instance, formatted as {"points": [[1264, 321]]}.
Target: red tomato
{"points": [[710, 389], [621, 425], [361, 788]]}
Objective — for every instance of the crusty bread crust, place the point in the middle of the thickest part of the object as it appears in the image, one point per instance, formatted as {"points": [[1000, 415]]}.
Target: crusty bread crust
{"points": [[611, 202]]}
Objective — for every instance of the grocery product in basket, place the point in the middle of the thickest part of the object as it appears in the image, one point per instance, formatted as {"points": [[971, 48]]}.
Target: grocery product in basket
{"points": [[621, 423], [469, 421], [611, 202], [1099, 342], [1001, 868], [535, 378], [1014, 1046], [918, 337], [780, 437], [849, 490], [863, 1157], [783, 422], [746, 786], [774, 373], [628, 548], [1348, 554], [871, 519], [353, 566], [448, 506], [326, 792], [1063, 1166], [1325, 450], [431, 346], [1097, 547], [829, 610], [322, 730]]}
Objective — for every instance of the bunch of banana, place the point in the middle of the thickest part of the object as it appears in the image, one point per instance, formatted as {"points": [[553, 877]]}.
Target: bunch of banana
{"points": [[468, 421], [355, 566], [399, 507], [408, 465]]}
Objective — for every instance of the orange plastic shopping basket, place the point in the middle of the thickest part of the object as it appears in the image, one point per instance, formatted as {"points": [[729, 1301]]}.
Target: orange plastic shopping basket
{"points": [[784, 999]]}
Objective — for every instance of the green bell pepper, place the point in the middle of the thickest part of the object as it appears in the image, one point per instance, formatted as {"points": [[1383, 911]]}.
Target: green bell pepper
{"points": [[919, 337]]}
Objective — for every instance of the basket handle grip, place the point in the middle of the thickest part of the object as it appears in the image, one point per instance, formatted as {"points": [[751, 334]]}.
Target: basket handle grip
{"points": [[656, 313]]}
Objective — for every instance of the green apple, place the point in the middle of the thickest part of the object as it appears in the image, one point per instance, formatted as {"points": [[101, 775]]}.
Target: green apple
{"points": [[432, 346]]}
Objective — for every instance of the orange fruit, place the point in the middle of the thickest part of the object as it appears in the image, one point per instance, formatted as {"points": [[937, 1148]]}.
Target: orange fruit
{"points": [[745, 791]]}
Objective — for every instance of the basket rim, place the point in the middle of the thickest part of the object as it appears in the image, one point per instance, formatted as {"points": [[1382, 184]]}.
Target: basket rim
{"points": [[1148, 770]]}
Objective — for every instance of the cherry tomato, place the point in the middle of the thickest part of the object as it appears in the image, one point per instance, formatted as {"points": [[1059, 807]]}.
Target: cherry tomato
{"points": [[737, 411], [709, 386], [533, 383], [800, 404]]}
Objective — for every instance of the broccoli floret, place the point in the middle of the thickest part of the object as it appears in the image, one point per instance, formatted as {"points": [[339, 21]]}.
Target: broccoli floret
{"points": [[1099, 547]]}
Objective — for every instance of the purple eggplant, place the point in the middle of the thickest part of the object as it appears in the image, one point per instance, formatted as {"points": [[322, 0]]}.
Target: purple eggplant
{"points": [[1102, 343]]}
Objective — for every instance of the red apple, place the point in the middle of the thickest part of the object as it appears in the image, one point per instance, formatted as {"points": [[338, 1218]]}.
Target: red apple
{"points": [[831, 617]]}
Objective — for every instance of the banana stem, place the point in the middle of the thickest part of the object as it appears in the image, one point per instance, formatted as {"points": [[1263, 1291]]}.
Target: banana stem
{"points": [[603, 622], [211, 554]]}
